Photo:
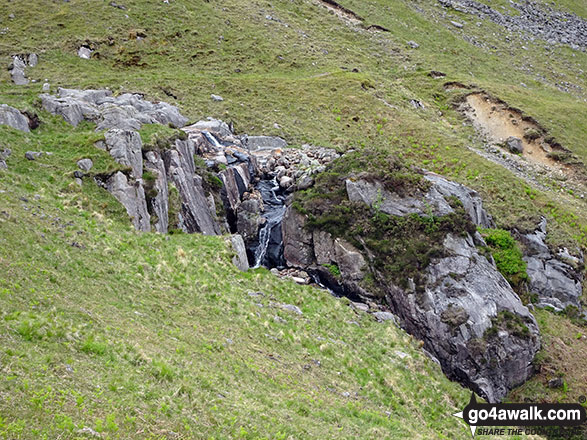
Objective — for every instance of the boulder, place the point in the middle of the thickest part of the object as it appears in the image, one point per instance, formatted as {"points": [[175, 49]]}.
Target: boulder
{"points": [[515, 145], [84, 52], [13, 118], [125, 112], [323, 247], [265, 142], [240, 259], [215, 126], [85, 164], [131, 195], [32, 155], [216, 98], [17, 71]]}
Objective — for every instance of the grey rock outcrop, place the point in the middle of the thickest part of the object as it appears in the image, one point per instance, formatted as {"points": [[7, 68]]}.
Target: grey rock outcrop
{"points": [[18, 66], [32, 155], [158, 191], [462, 316], [249, 219], [434, 200], [463, 309], [195, 211], [4, 154], [126, 147], [13, 118], [555, 278], [84, 52], [126, 112], [131, 195]]}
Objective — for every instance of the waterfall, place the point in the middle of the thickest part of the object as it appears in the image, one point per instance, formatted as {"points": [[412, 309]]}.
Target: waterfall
{"points": [[212, 139], [269, 251]]}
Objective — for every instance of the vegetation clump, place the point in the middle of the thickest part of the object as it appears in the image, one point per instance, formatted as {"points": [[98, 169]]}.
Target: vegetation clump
{"points": [[401, 246], [508, 256]]}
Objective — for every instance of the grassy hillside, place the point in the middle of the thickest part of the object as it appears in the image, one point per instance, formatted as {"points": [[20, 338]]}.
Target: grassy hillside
{"points": [[147, 336]]}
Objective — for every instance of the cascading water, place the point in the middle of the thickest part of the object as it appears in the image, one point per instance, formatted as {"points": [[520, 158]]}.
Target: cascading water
{"points": [[269, 251], [212, 139]]}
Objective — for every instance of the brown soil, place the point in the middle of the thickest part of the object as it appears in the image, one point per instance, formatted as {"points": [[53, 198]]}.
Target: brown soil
{"points": [[341, 11], [497, 121]]}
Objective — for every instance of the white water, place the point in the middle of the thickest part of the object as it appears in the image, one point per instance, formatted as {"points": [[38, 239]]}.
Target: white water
{"points": [[274, 212]]}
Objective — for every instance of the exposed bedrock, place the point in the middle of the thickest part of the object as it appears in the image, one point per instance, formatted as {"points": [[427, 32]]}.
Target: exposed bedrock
{"points": [[466, 313]]}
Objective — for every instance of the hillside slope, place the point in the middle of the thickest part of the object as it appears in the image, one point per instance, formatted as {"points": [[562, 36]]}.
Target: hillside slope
{"points": [[158, 336]]}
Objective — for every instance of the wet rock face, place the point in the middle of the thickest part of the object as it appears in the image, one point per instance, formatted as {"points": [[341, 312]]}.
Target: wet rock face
{"points": [[555, 277], [463, 309]]}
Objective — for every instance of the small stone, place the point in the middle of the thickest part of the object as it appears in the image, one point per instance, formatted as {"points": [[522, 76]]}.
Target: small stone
{"points": [[385, 316], [89, 431], [85, 164], [401, 354], [299, 280], [216, 98], [557, 382], [46, 87], [84, 52], [285, 182], [291, 308], [457, 24], [413, 44], [360, 306], [79, 181], [32, 155]]}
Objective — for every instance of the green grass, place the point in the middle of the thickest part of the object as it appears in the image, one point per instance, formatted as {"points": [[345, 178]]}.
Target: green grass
{"points": [[508, 257], [139, 335], [127, 333]]}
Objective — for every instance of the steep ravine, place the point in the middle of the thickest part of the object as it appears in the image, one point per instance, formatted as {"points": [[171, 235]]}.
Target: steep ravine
{"points": [[311, 210]]}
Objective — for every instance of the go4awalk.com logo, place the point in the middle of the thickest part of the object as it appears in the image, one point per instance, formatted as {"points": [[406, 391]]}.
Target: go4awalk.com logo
{"points": [[522, 418]]}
